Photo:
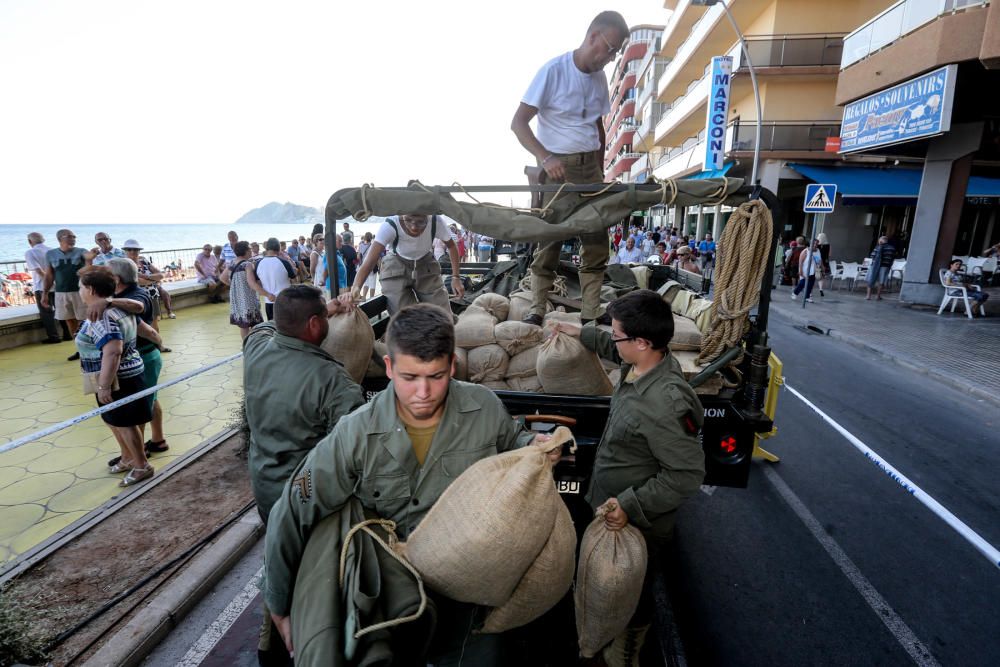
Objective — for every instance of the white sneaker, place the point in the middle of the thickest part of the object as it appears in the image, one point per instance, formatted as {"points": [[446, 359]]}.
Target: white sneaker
{"points": [[794, 297], [810, 301]]}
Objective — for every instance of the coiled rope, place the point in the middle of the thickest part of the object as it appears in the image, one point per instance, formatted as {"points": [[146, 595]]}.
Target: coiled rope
{"points": [[558, 285], [743, 250]]}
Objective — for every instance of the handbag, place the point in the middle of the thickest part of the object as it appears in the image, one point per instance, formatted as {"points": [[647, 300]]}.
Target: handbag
{"points": [[92, 380]]}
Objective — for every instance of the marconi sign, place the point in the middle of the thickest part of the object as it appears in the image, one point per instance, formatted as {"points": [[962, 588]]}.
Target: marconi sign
{"points": [[916, 109], [718, 111]]}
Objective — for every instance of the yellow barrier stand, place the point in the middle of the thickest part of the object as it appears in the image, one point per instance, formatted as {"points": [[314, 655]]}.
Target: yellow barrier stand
{"points": [[770, 407]]}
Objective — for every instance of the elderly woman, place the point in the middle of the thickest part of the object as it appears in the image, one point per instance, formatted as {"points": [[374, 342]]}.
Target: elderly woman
{"points": [[685, 260], [113, 369]]}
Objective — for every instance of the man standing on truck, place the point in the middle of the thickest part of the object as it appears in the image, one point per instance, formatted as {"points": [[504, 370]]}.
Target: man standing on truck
{"points": [[649, 459], [569, 95], [409, 272], [287, 414], [397, 454]]}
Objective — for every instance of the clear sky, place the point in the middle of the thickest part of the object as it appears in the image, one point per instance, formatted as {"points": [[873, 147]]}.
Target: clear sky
{"points": [[129, 111]]}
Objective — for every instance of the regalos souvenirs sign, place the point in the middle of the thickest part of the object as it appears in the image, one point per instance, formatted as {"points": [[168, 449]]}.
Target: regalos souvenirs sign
{"points": [[916, 109], [718, 111]]}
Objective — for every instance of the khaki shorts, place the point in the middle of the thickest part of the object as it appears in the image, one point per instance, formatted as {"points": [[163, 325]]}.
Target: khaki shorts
{"points": [[69, 306]]}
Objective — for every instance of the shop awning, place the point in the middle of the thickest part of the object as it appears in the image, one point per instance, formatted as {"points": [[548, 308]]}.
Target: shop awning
{"points": [[885, 183], [712, 173]]}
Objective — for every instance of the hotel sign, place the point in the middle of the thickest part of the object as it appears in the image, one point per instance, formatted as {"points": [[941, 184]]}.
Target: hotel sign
{"points": [[916, 109], [718, 111]]}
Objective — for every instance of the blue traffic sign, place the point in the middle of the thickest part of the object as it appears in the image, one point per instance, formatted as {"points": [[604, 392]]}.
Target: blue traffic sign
{"points": [[820, 198]]}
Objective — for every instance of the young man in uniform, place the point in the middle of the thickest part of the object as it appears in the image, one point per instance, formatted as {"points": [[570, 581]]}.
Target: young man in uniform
{"points": [[569, 95], [409, 272], [649, 459], [397, 454]]}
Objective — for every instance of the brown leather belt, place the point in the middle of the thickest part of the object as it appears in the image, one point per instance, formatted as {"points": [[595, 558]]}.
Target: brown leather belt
{"points": [[579, 158]]}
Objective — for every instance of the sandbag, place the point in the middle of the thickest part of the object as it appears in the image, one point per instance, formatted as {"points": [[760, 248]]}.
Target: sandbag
{"points": [[495, 304], [699, 311], [520, 306], [565, 366], [475, 328], [545, 582], [562, 316], [615, 376], [681, 301], [686, 335], [668, 290], [461, 364], [641, 274], [487, 363], [608, 583], [350, 341], [496, 384], [488, 527], [516, 337], [376, 365], [523, 364], [530, 383]]}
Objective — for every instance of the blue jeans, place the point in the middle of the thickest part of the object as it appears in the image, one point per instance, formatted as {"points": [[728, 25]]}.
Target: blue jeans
{"points": [[807, 284]]}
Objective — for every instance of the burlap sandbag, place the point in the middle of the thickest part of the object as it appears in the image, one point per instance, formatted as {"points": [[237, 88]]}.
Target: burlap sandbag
{"points": [[523, 364], [520, 306], [545, 582], [641, 274], [487, 363], [562, 316], [350, 341], [376, 365], [496, 305], [516, 337], [565, 366], [615, 376], [608, 583], [686, 335], [474, 328], [488, 527], [461, 364], [530, 383], [496, 384]]}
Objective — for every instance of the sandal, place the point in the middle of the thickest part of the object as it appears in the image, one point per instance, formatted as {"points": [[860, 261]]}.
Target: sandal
{"points": [[171, 316], [156, 447], [137, 475], [120, 466], [166, 349]]}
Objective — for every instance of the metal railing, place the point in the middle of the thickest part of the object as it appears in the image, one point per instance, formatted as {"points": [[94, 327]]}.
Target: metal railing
{"points": [[898, 20], [793, 136], [795, 51]]}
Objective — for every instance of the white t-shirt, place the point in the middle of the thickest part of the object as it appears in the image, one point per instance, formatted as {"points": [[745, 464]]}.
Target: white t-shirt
{"points": [[413, 247], [569, 103], [34, 261], [272, 272]]}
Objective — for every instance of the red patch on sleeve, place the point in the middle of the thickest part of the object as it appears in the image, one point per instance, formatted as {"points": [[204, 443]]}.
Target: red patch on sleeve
{"points": [[689, 424]]}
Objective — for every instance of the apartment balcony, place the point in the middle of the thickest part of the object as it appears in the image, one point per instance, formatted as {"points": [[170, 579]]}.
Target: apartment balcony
{"points": [[626, 110], [684, 159], [683, 18], [627, 84], [895, 22], [638, 171], [623, 138], [622, 163], [795, 51], [782, 137], [628, 62], [645, 132]]}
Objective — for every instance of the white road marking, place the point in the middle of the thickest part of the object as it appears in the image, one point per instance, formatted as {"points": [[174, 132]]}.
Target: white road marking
{"points": [[201, 648], [984, 547], [896, 625]]}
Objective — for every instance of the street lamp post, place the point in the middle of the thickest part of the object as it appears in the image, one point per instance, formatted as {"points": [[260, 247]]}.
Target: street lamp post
{"points": [[753, 78]]}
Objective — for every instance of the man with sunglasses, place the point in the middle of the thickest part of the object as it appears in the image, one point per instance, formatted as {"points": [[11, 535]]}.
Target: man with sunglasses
{"points": [[649, 459], [105, 251], [569, 97]]}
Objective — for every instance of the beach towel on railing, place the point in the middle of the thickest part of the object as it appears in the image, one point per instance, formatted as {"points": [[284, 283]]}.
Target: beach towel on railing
{"points": [[569, 214]]}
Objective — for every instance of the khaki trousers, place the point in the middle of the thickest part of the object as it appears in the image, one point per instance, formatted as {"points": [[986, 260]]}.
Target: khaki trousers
{"points": [[580, 168], [406, 282]]}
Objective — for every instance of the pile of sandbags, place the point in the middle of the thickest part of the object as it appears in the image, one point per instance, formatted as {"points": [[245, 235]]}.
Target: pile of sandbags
{"points": [[608, 583], [565, 366], [500, 536], [351, 341]]}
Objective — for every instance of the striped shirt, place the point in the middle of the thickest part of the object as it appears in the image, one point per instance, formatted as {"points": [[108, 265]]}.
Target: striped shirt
{"points": [[93, 336]]}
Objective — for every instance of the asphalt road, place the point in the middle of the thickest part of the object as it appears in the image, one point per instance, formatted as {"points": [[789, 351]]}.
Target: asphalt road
{"points": [[754, 585], [823, 559]]}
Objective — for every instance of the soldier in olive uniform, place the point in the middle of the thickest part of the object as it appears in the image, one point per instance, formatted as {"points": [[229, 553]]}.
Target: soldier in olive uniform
{"points": [[294, 394], [649, 459], [397, 454]]}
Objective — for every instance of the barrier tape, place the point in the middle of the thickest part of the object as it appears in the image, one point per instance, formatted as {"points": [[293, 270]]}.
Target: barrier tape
{"points": [[55, 428]]}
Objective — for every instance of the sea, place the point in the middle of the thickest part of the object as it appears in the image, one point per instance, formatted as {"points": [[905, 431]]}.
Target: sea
{"points": [[158, 237]]}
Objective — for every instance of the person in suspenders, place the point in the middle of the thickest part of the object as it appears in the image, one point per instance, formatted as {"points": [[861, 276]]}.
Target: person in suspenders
{"points": [[409, 272]]}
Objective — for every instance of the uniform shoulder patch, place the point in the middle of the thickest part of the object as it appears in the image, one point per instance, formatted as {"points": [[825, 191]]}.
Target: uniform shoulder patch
{"points": [[689, 424], [302, 485]]}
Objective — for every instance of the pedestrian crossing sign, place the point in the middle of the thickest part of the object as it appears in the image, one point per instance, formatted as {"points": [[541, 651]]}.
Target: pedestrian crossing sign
{"points": [[820, 198]]}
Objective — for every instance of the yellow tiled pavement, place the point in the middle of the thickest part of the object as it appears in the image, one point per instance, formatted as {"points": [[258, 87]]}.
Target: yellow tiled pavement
{"points": [[47, 484]]}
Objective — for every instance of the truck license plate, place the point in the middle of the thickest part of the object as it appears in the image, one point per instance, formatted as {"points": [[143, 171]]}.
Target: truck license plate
{"points": [[566, 486]]}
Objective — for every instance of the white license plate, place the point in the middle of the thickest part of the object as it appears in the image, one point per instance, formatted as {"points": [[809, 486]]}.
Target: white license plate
{"points": [[566, 486]]}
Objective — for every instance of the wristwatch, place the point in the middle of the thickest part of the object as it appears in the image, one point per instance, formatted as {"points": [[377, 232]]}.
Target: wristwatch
{"points": [[109, 300]]}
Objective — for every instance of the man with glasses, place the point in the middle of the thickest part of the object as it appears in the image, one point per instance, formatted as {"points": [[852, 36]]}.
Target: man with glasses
{"points": [[409, 272], [649, 459], [62, 265], [569, 96], [104, 251]]}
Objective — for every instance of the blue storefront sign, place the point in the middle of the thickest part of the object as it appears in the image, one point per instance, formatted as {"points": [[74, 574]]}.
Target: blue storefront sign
{"points": [[718, 111], [916, 109]]}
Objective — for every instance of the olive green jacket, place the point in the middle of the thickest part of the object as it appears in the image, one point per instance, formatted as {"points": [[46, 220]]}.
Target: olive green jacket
{"points": [[295, 393], [650, 455], [369, 455]]}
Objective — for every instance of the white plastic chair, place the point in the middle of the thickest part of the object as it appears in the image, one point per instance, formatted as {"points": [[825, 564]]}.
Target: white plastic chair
{"points": [[952, 293], [835, 270], [974, 266], [898, 270], [850, 271]]}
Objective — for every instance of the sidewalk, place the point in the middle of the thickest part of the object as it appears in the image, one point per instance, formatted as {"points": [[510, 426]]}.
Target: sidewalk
{"points": [[960, 352]]}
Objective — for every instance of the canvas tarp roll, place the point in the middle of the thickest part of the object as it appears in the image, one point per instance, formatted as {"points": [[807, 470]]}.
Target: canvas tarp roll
{"points": [[571, 215]]}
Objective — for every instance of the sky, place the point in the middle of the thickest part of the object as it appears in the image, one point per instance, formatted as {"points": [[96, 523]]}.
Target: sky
{"points": [[196, 112]]}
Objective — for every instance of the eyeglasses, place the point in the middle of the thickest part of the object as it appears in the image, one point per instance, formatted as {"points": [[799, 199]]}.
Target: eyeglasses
{"points": [[102, 238], [612, 50], [622, 340]]}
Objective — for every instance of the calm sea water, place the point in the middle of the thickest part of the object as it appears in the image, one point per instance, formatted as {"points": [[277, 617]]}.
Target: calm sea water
{"points": [[13, 238]]}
